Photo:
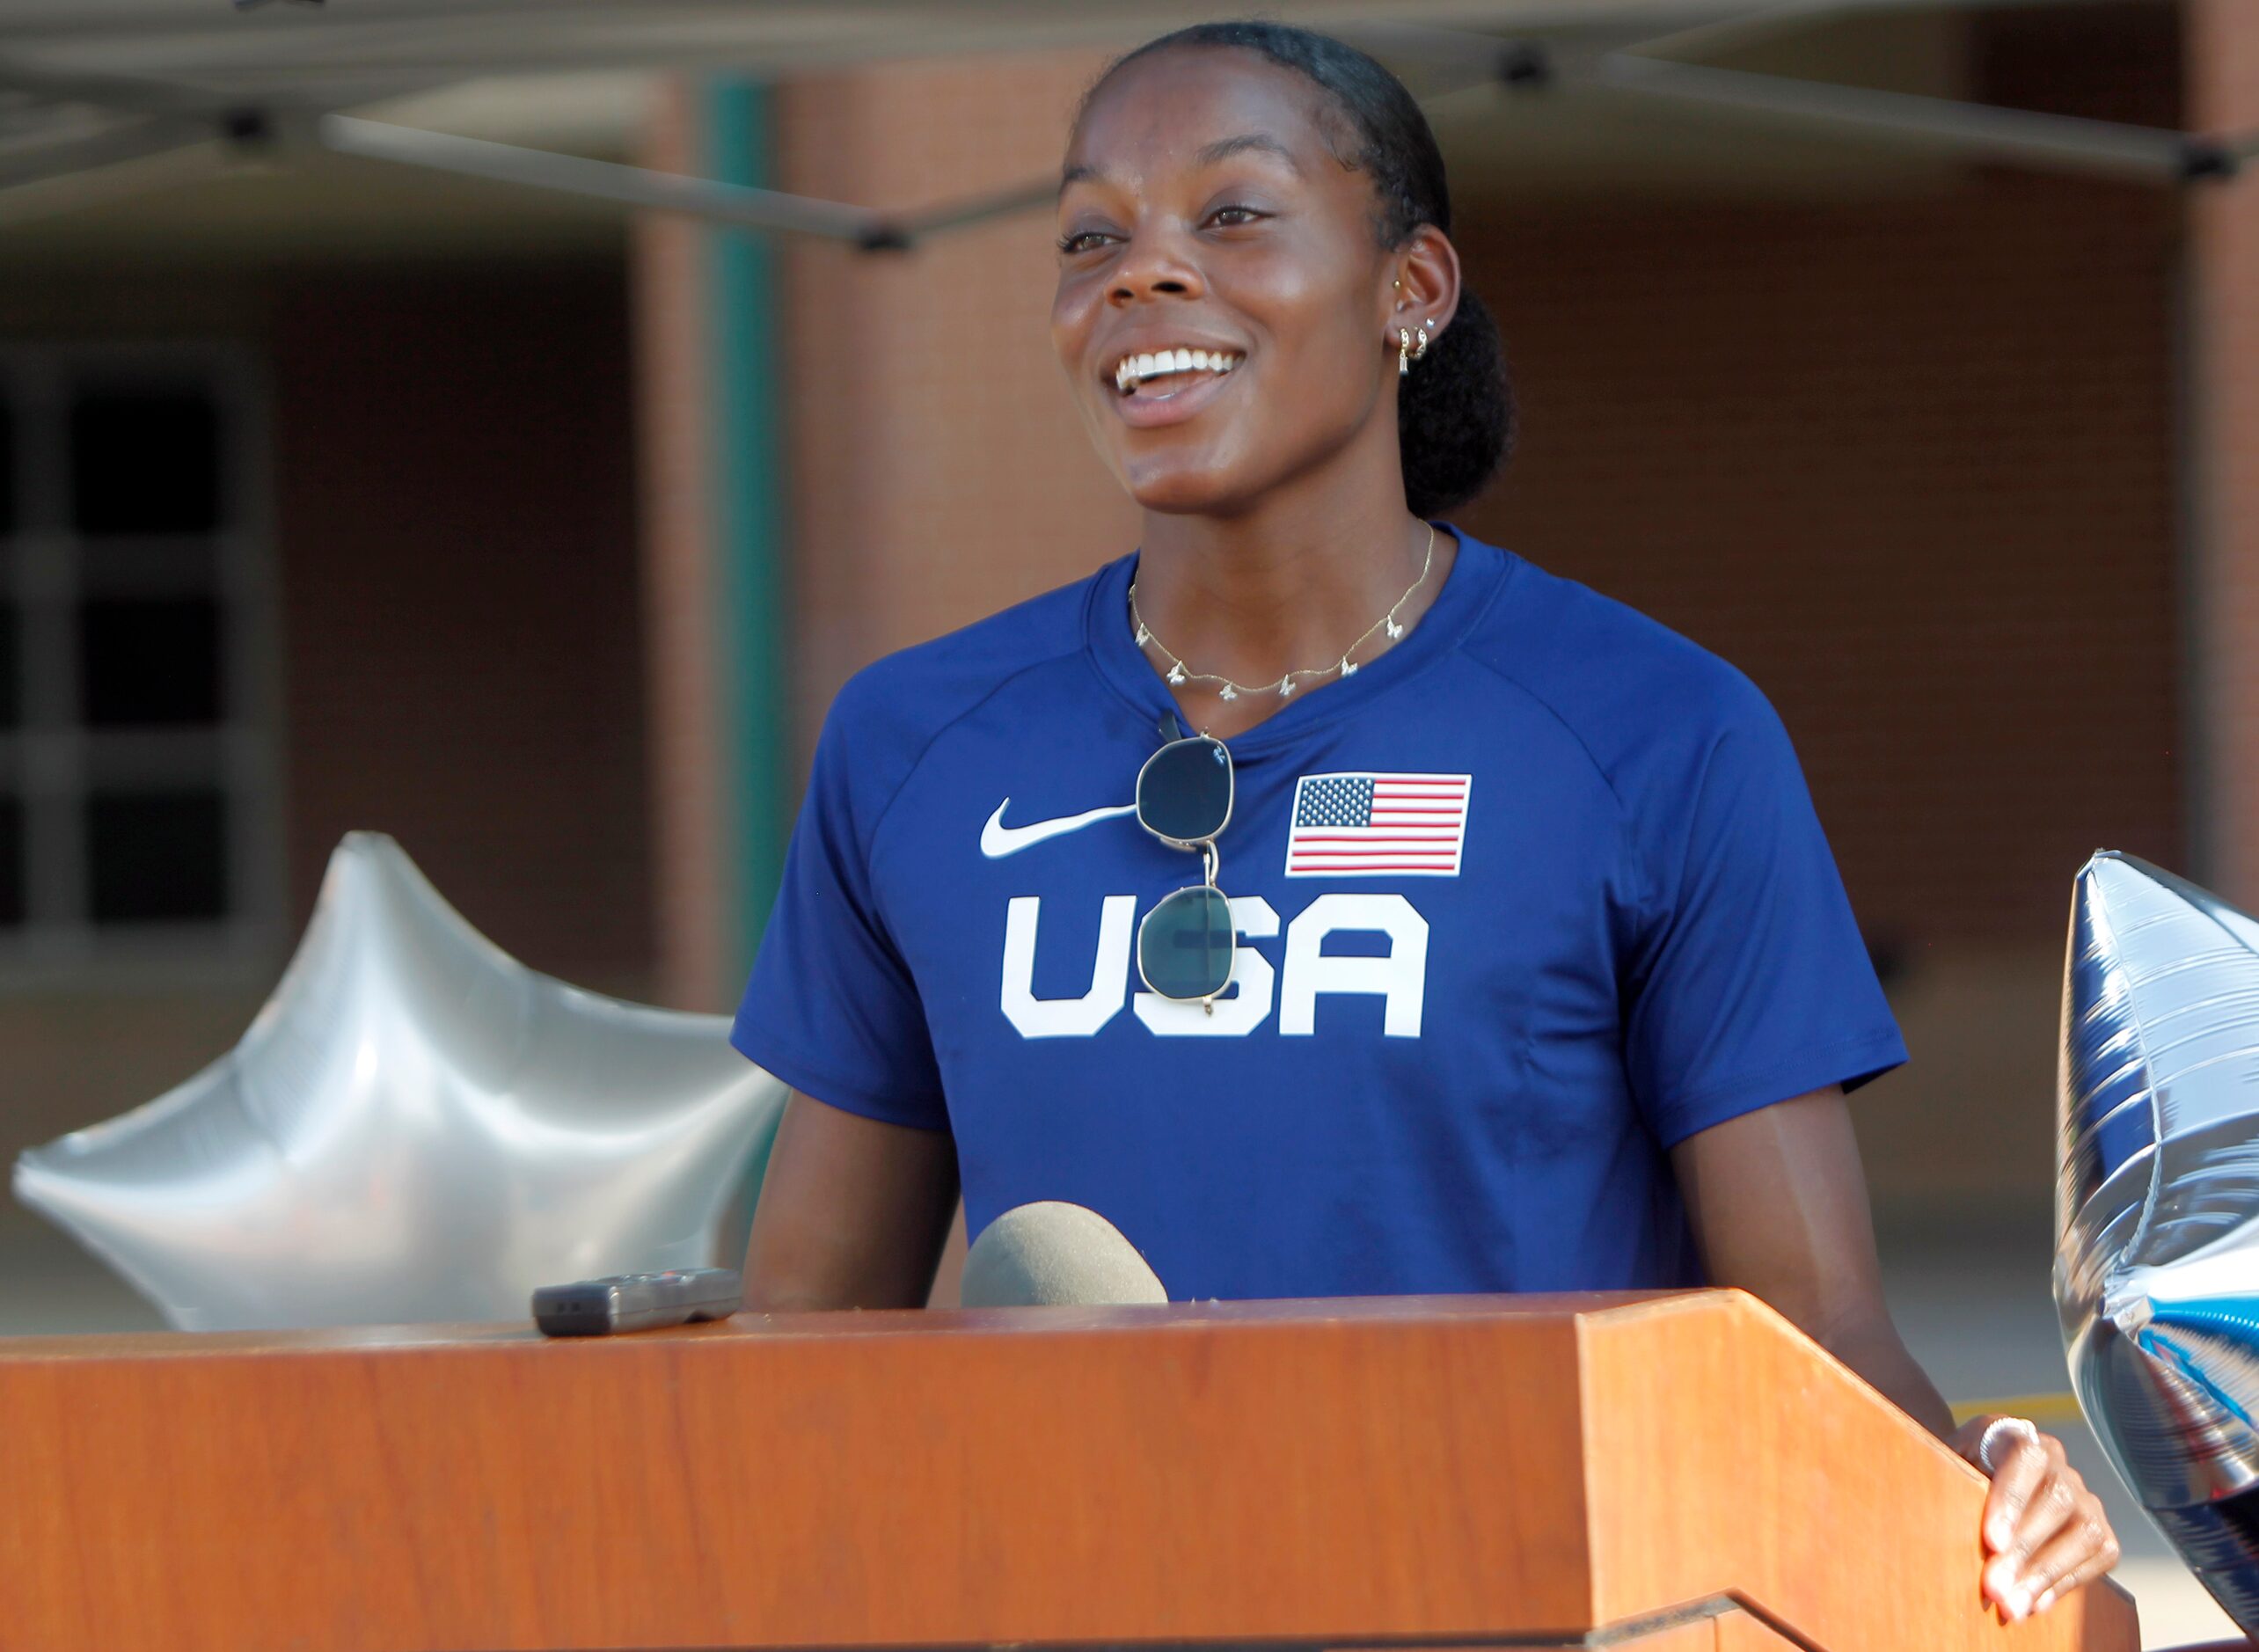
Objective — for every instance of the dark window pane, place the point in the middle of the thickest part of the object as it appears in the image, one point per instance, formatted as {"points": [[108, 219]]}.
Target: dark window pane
{"points": [[11, 862], [158, 857], [11, 692], [147, 463], [149, 663]]}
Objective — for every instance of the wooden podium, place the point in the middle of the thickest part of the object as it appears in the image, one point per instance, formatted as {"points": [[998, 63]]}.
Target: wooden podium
{"points": [[1670, 1472]]}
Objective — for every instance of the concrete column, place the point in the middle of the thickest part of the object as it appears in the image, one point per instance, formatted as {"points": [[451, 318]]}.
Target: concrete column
{"points": [[693, 884], [2222, 44]]}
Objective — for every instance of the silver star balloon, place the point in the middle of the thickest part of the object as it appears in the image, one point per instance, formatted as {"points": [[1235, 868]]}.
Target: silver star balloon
{"points": [[2157, 1264], [415, 1127]]}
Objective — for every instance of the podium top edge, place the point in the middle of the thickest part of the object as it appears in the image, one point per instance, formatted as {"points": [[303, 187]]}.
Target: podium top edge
{"points": [[919, 1322]]}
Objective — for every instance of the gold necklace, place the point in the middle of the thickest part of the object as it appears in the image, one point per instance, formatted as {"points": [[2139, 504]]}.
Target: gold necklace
{"points": [[1180, 674]]}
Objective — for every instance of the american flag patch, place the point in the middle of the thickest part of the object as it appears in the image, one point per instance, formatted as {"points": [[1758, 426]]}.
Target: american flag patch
{"points": [[1386, 825]]}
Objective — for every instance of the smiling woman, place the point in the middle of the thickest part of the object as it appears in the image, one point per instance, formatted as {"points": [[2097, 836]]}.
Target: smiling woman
{"points": [[1364, 135], [1481, 937]]}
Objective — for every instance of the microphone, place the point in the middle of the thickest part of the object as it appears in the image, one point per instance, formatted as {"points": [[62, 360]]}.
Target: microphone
{"points": [[1054, 1253]]}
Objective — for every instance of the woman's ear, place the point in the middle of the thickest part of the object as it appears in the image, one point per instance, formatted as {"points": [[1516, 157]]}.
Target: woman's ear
{"points": [[1427, 290]]}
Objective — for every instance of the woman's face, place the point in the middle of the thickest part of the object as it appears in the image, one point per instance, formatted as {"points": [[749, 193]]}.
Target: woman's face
{"points": [[1204, 211]]}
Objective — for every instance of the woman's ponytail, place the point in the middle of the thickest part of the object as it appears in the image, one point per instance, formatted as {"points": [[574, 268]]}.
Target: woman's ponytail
{"points": [[1455, 413]]}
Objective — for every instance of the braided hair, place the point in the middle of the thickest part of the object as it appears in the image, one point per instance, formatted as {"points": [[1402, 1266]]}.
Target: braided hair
{"points": [[1455, 412]]}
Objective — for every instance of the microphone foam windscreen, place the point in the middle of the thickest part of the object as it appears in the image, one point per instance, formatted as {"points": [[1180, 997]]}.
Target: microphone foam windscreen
{"points": [[1054, 1252]]}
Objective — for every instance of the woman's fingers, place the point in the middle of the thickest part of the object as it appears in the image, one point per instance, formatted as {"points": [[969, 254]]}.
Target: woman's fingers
{"points": [[2046, 1530], [2086, 1573], [2021, 1466], [2078, 1554], [2052, 1504], [2045, 1533]]}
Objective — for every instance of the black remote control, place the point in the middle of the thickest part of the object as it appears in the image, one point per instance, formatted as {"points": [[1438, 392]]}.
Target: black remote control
{"points": [[637, 1302]]}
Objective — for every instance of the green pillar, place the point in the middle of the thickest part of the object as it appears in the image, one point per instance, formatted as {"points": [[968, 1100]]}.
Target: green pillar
{"points": [[748, 505], [748, 515]]}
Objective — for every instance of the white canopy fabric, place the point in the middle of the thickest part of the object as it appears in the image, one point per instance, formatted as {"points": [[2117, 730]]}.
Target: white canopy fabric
{"points": [[97, 96], [370, 48]]}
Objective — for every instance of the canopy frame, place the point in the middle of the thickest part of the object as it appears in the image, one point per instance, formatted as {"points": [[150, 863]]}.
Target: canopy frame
{"points": [[163, 122]]}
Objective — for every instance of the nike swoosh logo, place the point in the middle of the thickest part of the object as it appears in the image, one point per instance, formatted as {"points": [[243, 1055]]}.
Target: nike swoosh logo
{"points": [[998, 840]]}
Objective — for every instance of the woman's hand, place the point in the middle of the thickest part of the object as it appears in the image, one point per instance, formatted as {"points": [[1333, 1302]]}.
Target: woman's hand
{"points": [[1779, 1207], [2045, 1533]]}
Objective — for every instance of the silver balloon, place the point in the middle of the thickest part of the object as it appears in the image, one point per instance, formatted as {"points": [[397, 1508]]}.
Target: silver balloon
{"points": [[415, 1127], [2157, 1268]]}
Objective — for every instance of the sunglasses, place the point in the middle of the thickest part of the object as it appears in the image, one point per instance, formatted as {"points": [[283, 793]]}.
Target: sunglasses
{"points": [[1185, 945]]}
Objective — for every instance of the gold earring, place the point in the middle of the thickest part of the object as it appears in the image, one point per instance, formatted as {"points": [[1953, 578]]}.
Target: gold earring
{"points": [[1420, 353], [1403, 351]]}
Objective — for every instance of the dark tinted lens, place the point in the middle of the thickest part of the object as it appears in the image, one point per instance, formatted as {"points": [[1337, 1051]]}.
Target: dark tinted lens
{"points": [[1185, 792], [1184, 946]]}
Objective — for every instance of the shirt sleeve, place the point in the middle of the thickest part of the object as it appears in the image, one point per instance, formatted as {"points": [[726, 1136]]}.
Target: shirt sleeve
{"points": [[831, 1008], [1751, 985]]}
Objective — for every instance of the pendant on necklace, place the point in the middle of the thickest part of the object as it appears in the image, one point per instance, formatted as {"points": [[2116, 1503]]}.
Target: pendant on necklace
{"points": [[1176, 672], [1285, 686], [1394, 630], [1143, 635], [1347, 667], [1227, 692]]}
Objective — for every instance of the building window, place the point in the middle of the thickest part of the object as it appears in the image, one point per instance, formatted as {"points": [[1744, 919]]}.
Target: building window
{"points": [[137, 788]]}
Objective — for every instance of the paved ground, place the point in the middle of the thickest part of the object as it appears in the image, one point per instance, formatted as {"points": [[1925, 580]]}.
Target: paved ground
{"points": [[1975, 1309]]}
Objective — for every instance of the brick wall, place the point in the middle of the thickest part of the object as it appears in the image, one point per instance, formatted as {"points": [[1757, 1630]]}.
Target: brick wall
{"points": [[455, 520], [687, 728], [1910, 464], [2224, 225]]}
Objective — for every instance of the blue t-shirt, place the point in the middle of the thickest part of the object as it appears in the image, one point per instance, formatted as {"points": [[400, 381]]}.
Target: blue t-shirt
{"points": [[1534, 896]]}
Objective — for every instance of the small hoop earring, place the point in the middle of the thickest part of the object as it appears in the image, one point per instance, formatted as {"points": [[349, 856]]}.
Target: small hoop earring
{"points": [[1403, 351], [1420, 353]]}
